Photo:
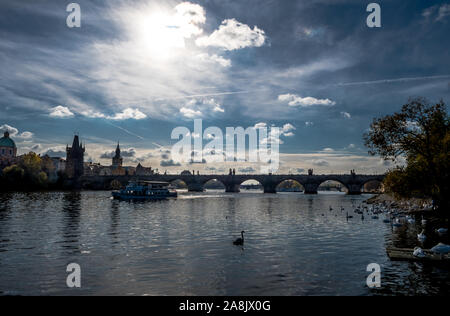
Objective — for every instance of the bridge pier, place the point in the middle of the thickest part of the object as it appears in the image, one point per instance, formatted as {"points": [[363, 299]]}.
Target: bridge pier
{"points": [[195, 187], [354, 189], [232, 187], [311, 188], [270, 189]]}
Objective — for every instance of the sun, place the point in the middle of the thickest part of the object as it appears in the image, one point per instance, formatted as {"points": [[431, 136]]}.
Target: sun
{"points": [[160, 34], [163, 34]]}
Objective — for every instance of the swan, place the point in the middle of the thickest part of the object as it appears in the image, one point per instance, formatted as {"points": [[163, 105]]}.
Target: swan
{"points": [[422, 236], [239, 241], [441, 249], [397, 223], [442, 231], [418, 252]]}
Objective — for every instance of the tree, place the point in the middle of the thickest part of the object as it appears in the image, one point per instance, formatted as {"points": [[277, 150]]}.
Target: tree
{"points": [[12, 176], [419, 134]]}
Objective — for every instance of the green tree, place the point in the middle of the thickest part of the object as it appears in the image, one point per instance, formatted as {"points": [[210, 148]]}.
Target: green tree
{"points": [[420, 134], [12, 176]]}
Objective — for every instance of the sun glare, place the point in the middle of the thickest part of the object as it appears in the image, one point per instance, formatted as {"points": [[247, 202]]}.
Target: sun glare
{"points": [[162, 35]]}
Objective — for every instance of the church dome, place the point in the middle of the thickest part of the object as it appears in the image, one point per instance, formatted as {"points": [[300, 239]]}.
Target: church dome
{"points": [[5, 141]]}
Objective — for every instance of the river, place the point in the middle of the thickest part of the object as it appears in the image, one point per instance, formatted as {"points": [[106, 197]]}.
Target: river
{"points": [[294, 246]]}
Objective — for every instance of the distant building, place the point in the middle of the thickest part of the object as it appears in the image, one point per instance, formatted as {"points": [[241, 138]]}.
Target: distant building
{"points": [[116, 168], [143, 171], [8, 151], [75, 159], [8, 147], [92, 169], [117, 160]]}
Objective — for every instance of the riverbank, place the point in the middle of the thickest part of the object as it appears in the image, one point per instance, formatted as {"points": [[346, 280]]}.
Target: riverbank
{"points": [[407, 206]]}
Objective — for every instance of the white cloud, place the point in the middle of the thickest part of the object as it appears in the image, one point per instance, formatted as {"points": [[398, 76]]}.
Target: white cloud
{"points": [[127, 114], [308, 124], [320, 163], [93, 114], [190, 15], [25, 135], [288, 129], [296, 100], [215, 59], [346, 115], [198, 108], [61, 112], [233, 35], [14, 132], [190, 113]]}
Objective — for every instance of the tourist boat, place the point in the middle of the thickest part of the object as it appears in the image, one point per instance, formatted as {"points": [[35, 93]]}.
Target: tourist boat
{"points": [[145, 190]]}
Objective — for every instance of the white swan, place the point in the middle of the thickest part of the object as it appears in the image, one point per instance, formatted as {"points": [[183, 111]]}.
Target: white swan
{"points": [[422, 236], [397, 223], [418, 252], [442, 231], [441, 249]]}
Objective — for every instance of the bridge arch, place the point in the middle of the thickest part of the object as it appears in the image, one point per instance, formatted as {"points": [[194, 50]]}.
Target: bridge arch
{"points": [[214, 184], [290, 185], [179, 184], [372, 186], [332, 185], [250, 185]]}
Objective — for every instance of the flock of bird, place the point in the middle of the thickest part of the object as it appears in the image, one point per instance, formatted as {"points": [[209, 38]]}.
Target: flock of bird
{"points": [[398, 219], [392, 216]]}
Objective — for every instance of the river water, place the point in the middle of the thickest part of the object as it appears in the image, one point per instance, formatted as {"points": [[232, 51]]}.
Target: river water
{"points": [[294, 246]]}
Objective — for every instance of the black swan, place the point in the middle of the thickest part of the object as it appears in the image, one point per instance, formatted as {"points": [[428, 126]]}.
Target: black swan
{"points": [[239, 241]]}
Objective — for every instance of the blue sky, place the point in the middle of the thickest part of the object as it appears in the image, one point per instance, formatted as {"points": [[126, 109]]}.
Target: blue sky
{"points": [[137, 69]]}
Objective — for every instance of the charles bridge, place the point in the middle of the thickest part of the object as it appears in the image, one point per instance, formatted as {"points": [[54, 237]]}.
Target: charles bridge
{"points": [[195, 183]]}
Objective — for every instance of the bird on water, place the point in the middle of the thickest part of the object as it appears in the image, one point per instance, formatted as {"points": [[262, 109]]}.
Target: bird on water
{"points": [[240, 241]]}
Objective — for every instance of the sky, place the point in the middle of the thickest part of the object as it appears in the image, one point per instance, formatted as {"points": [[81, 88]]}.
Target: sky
{"points": [[137, 69]]}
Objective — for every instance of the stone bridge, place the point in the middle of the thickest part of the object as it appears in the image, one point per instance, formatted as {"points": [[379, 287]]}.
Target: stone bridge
{"points": [[353, 182]]}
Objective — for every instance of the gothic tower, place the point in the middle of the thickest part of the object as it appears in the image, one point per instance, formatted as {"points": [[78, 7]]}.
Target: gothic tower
{"points": [[117, 160], [75, 159]]}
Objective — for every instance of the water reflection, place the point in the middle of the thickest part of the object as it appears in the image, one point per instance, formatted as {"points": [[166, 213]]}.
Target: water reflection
{"points": [[114, 230], [71, 209]]}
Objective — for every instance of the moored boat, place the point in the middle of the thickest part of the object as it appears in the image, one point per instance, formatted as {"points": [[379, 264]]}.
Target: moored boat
{"points": [[145, 190]]}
